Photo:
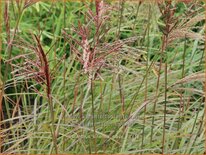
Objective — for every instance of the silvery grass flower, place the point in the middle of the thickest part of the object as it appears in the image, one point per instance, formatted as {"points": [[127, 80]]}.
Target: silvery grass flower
{"points": [[93, 53]]}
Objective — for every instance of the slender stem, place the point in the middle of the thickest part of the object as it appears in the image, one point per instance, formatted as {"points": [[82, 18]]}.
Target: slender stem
{"points": [[121, 17], [93, 115], [135, 21], [136, 15], [156, 93], [167, 20], [146, 79], [165, 106], [165, 40], [199, 129], [54, 136], [121, 95], [64, 88]]}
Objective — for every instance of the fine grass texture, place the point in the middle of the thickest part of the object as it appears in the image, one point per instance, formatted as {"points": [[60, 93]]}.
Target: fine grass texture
{"points": [[102, 77]]}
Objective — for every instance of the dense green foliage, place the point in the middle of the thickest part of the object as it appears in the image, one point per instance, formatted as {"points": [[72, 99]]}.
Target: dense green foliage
{"points": [[147, 96]]}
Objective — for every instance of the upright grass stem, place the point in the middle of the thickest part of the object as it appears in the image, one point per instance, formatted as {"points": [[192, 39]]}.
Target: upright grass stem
{"points": [[93, 116], [137, 83], [165, 100], [121, 94], [119, 76], [136, 15], [121, 17], [156, 97], [168, 19], [48, 91], [146, 79]]}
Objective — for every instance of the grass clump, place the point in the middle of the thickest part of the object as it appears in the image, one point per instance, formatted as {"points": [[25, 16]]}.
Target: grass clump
{"points": [[102, 77]]}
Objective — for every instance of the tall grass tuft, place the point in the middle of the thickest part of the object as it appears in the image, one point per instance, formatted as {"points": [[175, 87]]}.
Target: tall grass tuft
{"points": [[102, 77]]}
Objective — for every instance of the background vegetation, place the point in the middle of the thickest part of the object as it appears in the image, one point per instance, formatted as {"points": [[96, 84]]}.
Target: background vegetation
{"points": [[102, 77]]}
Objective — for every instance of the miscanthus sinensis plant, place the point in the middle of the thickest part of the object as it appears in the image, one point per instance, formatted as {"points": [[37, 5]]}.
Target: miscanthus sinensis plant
{"points": [[90, 47], [131, 80]]}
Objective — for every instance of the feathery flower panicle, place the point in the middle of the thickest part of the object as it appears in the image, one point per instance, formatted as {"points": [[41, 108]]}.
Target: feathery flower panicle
{"points": [[92, 53], [178, 27], [90, 49], [35, 65]]}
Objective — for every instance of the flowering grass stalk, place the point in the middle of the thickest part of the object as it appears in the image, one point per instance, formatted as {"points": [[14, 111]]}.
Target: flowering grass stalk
{"points": [[36, 67]]}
